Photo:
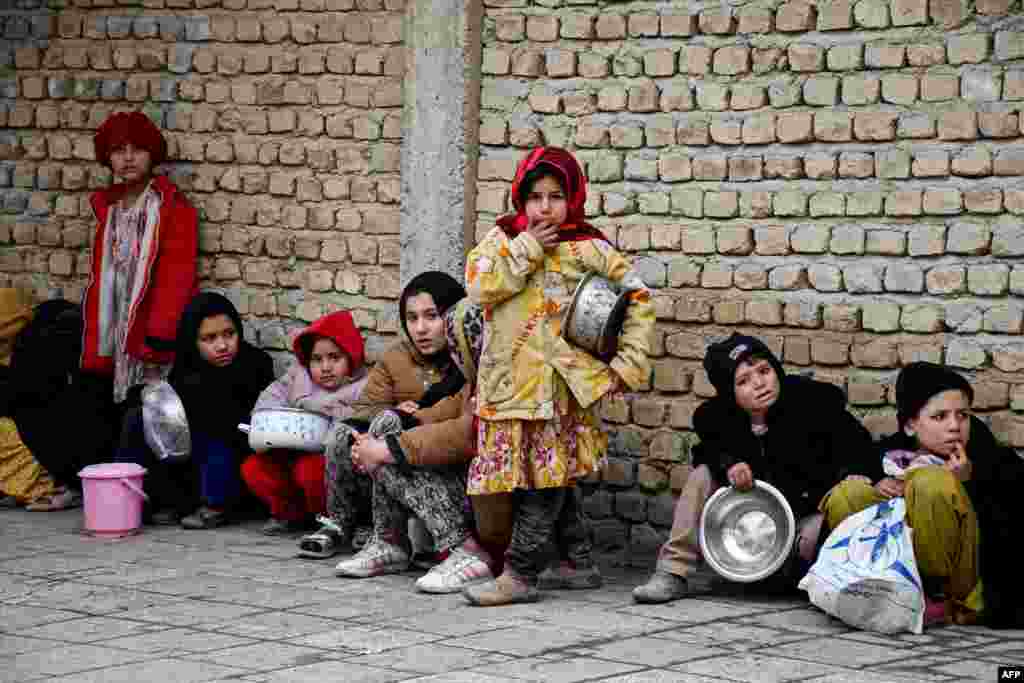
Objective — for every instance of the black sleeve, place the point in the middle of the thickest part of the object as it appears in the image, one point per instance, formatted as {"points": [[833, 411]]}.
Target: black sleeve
{"points": [[716, 449], [854, 450]]}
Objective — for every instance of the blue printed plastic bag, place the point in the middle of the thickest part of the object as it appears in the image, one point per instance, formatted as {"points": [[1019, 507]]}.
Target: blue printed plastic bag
{"points": [[866, 574]]}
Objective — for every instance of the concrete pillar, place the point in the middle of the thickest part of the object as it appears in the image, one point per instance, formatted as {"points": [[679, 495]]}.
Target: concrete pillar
{"points": [[440, 117]]}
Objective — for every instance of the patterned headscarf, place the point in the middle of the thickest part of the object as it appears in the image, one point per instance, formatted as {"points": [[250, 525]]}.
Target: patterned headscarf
{"points": [[561, 164], [464, 325]]}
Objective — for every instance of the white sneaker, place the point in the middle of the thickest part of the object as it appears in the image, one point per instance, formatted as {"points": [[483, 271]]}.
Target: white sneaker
{"points": [[460, 570], [375, 559]]}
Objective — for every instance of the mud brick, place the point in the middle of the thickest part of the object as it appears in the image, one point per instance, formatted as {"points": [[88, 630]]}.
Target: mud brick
{"points": [[726, 132], [678, 25], [746, 96], [766, 59], [958, 125], [806, 57], [948, 13], [758, 130], [786, 167], [835, 15], [717, 22], [795, 127], [542, 28], [861, 89], [930, 164], [785, 94], [695, 59], [593, 65], [793, 17], [833, 126], [731, 61], [983, 201], [968, 49], [909, 12], [940, 87], [660, 62], [998, 124], [871, 13], [820, 166], [608, 27], [643, 25], [885, 56], [710, 167], [903, 203], [899, 88], [821, 91], [845, 57], [972, 163], [755, 20]]}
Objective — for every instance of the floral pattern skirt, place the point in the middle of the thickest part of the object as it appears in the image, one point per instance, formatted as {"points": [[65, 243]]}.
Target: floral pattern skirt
{"points": [[537, 454]]}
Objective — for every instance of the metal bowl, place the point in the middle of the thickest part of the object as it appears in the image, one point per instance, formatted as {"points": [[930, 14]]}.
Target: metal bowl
{"points": [[595, 316], [747, 536]]}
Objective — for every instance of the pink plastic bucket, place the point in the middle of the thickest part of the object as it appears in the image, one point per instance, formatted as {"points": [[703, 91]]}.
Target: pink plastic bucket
{"points": [[113, 498]]}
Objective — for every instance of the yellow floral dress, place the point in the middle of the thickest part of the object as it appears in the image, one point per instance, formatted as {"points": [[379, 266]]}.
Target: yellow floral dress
{"points": [[536, 393]]}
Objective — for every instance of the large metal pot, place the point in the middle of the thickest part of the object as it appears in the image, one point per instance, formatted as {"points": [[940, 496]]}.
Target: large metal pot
{"points": [[746, 536], [288, 428], [595, 316]]}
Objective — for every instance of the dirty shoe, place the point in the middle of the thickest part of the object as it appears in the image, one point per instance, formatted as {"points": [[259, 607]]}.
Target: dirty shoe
{"points": [[661, 587], [567, 576], [507, 589]]}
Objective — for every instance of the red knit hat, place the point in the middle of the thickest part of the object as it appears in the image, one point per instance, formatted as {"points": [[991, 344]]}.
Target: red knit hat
{"points": [[134, 127], [338, 327]]}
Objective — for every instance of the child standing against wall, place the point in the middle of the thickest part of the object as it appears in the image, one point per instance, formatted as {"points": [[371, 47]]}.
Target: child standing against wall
{"points": [[539, 432]]}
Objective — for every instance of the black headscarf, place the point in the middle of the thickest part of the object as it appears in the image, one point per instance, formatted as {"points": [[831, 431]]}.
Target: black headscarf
{"points": [[722, 359], [446, 292], [217, 399], [919, 381]]}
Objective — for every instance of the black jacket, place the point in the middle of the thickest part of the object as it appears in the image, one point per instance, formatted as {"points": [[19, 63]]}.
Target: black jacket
{"points": [[811, 444], [996, 479]]}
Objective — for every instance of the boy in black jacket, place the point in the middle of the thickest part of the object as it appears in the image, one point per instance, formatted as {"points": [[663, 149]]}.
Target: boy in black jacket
{"points": [[792, 432]]}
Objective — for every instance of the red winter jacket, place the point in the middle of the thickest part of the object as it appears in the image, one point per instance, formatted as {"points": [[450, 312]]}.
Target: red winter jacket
{"points": [[171, 279]]}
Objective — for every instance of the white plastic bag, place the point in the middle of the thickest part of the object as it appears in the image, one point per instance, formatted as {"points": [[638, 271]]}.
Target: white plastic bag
{"points": [[164, 424], [866, 574]]}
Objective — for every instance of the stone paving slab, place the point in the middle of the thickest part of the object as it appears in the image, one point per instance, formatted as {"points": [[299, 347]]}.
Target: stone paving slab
{"points": [[177, 606]]}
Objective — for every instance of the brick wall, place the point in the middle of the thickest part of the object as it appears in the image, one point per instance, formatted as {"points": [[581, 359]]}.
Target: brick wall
{"points": [[284, 122], [841, 179]]}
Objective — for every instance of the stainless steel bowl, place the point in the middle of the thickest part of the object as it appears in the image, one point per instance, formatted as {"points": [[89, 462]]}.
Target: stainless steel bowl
{"points": [[595, 316], [747, 536]]}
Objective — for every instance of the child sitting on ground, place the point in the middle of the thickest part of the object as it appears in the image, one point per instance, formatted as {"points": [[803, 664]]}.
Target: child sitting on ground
{"points": [[328, 378], [539, 432], [218, 376]]}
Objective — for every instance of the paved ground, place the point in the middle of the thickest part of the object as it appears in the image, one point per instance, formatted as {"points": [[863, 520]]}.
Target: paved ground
{"points": [[175, 606]]}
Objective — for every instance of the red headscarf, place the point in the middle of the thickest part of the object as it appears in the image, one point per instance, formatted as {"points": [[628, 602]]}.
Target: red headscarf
{"points": [[563, 166], [134, 127]]}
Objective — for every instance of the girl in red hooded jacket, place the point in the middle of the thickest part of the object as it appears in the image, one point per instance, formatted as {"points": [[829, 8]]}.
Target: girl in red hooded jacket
{"points": [[328, 378], [143, 274]]}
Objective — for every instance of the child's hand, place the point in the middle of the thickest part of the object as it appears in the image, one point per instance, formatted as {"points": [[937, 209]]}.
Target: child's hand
{"points": [[408, 406], [889, 487], [958, 463], [369, 454], [618, 387], [545, 233]]}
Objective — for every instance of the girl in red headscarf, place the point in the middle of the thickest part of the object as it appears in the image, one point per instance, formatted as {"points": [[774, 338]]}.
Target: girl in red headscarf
{"points": [[538, 430], [143, 274]]}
